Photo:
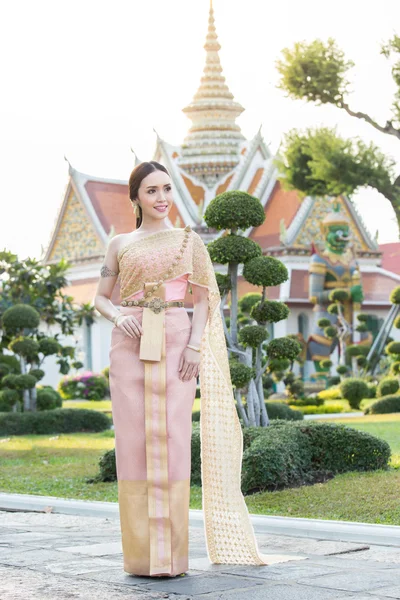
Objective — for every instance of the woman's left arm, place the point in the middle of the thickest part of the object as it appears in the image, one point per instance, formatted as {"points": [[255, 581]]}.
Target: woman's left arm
{"points": [[190, 360]]}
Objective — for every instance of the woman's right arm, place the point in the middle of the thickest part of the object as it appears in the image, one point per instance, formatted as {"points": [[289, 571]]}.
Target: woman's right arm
{"points": [[102, 300]]}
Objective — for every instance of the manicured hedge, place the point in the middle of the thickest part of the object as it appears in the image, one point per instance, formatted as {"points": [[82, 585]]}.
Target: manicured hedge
{"points": [[275, 410], [288, 454], [387, 404], [63, 420]]}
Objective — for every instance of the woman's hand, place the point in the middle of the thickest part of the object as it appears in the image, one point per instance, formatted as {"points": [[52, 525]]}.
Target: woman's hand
{"points": [[130, 326], [189, 365]]}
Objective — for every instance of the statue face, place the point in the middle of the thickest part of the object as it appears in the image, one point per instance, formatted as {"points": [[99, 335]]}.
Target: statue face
{"points": [[337, 238]]}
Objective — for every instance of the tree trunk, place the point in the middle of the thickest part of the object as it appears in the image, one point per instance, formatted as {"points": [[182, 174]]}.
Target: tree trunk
{"points": [[25, 392], [233, 271], [242, 412]]}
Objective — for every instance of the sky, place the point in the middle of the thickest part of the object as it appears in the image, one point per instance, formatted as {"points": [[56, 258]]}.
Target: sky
{"points": [[91, 80]]}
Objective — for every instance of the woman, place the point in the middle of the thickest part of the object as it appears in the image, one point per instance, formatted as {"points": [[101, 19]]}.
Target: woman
{"points": [[156, 355]]}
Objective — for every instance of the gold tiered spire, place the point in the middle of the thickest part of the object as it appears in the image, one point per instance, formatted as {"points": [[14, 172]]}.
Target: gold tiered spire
{"points": [[211, 147]]}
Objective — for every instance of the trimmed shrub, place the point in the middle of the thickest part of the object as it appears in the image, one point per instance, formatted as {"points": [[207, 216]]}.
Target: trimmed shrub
{"points": [[265, 271], [224, 283], [48, 399], [270, 311], [339, 295], [330, 332], [333, 309], [11, 361], [62, 420], [342, 369], [388, 404], [25, 346], [7, 399], [395, 368], [395, 296], [354, 390], [252, 335], [286, 454], [20, 316], [246, 302], [283, 347], [334, 380], [315, 401], [38, 374], [277, 456], [280, 458], [393, 348], [24, 382], [277, 410], [49, 346], [326, 363], [387, 386], [87, 386], [234, 209], [240, 373], [233, 248], [324, 322], [322, 410]]}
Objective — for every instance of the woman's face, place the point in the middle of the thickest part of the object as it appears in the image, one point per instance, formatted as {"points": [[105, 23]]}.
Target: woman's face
{"points": [[155, 196]]}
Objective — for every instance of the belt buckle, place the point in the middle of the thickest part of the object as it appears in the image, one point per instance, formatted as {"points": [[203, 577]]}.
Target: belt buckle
{"points": [[156, 305]]}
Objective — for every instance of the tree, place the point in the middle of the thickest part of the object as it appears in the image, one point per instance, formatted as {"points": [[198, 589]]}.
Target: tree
{"points": [[319, 161], [246, 334], [31, 295]]}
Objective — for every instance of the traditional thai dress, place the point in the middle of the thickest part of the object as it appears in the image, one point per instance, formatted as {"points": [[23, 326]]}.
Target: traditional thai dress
{"points": [[152, 408]]}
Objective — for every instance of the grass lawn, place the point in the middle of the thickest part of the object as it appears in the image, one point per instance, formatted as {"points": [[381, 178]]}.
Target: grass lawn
{"points": [[58, 465]]}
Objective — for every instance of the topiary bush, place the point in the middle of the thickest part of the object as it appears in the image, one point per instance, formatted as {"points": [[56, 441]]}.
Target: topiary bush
{"points": [[48, 399], [233, 249], [388, 404], [387, 386], [252, 335], [277, 410], [284, 347], [339, 295], [280, 458], [38, 374], [265, 271], [354, 390], [234, 210], [286, 454], [19, 317], [270, 311], [240, 373], [393, 348], [395, 296], [277, 456], [395, 368], [62, 420], [8, 398]]}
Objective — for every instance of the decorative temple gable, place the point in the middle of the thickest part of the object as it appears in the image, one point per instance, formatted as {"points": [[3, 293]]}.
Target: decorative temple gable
{"points": [[311, 227], [76, 238]]}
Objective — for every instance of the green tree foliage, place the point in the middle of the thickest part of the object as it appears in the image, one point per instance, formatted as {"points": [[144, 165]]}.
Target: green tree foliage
{"points": [[354, 390], [246, 326], [319, 161]]}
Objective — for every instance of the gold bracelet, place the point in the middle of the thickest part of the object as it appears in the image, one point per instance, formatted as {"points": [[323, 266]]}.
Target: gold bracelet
{"points": [[193, 348], [115, 319]]}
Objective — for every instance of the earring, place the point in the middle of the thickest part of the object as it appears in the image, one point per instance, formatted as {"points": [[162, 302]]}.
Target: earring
{"points": [[135, 209]]}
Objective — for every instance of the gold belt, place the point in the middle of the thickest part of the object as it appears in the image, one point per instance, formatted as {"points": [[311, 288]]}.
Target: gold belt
{"points": [[155, 304]]}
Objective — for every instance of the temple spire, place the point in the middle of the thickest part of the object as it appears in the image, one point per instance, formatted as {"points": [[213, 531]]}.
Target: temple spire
{"points": [[211, 147]]}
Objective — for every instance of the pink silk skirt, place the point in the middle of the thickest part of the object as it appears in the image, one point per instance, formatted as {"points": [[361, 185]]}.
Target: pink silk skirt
{"points": [[152, 416]]}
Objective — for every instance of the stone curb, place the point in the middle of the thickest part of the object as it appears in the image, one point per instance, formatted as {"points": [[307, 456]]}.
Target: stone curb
{"points": [[344, 531]]}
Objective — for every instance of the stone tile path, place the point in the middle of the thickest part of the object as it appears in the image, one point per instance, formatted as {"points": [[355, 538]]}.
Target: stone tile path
{"points": [[47, 556]]}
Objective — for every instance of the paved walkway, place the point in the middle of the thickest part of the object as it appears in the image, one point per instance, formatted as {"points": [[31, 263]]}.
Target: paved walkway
{"points": [[50, 556]]}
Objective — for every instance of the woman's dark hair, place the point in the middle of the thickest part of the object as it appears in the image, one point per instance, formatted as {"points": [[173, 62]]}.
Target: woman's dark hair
{"points": [[136, 177]]}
